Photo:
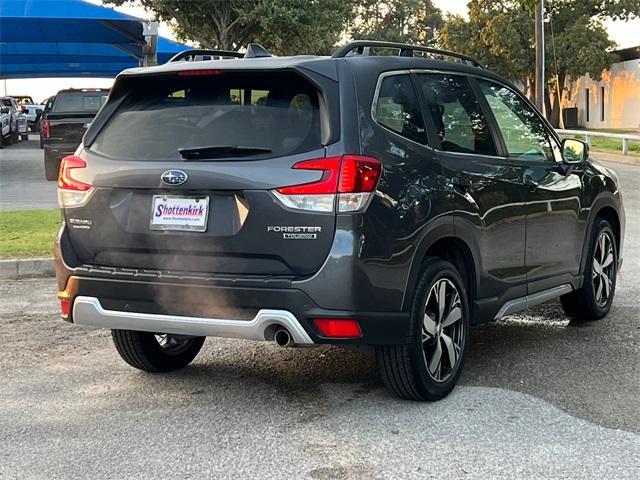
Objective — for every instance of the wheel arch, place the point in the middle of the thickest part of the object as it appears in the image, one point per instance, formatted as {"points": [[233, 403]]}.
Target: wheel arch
{"points": [[443, 243], [606, 206]]}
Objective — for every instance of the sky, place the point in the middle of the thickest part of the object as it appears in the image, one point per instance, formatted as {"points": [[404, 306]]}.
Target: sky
{"points": [[625, 34]]}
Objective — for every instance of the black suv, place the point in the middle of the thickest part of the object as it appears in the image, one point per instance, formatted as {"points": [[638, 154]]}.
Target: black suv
{"points": [[360, 199]]}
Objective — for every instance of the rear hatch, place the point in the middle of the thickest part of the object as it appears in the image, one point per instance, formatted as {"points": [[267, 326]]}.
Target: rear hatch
{"points": [[184, 176]]}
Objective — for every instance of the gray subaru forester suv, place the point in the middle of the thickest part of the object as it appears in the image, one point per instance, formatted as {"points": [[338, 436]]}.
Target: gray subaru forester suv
{"points": [[389, 201]]}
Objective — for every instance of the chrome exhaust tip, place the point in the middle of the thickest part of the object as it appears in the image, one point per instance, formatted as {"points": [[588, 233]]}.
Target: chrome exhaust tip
{"points": [[283, 338]]}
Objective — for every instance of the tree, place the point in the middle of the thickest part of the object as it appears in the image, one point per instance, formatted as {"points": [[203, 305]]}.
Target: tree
{"points": [[285, 26], [407, 21], [500, 33], [497, 34]]}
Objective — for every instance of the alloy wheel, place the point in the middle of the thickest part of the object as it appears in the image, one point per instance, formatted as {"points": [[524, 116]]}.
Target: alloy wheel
{"points": [[443, 332], [603, 271]]}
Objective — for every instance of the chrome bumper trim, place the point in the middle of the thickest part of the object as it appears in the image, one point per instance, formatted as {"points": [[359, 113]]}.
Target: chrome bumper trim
{"points": [[89, 311]]}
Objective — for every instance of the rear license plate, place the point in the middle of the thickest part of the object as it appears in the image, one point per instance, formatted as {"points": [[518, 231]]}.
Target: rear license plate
{"points": [[179, 213]]}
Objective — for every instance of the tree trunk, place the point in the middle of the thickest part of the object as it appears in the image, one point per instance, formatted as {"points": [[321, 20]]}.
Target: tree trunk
{"points": [[555, 111], [547, 107], [531, 82]]}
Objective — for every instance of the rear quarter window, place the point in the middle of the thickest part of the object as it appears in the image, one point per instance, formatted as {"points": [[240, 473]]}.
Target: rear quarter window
{"points": [[397, 108], [276, 112]]}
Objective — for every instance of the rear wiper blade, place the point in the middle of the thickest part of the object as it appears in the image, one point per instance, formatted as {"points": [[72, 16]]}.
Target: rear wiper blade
{"points": [[220, 151]]}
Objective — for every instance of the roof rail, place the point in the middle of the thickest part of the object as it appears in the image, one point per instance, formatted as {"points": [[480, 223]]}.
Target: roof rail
{"points": [[190, 55], [362, 47]]}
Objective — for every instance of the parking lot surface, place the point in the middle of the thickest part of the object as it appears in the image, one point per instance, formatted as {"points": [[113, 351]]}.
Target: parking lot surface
{"points": [[22, 182], [539, 398]]}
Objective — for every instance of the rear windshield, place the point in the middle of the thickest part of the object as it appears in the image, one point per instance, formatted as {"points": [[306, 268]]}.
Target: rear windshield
{"points": [[256, 115], [79, 102]]}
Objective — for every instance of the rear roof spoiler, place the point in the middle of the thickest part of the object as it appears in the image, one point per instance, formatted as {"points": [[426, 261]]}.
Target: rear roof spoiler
{"points": [[198, 54]]}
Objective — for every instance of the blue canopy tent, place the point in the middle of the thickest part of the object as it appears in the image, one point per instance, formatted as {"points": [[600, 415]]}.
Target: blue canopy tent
{"points": [[71, 38]]}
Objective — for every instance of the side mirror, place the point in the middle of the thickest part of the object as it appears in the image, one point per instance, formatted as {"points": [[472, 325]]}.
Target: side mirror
{"points": [[5, 109], [574, 151]]}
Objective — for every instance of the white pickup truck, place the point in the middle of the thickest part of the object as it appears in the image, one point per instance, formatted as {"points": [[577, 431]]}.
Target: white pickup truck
{"points": [[30, 109], [5, 128], [17, 120]]}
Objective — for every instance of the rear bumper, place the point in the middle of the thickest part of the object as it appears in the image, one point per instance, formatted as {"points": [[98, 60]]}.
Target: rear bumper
{"points": [[89, 311], [250, 312]]}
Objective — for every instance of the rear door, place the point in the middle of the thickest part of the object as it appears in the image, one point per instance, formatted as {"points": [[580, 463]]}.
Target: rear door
{"points": [[487, 198], [186, 173]]}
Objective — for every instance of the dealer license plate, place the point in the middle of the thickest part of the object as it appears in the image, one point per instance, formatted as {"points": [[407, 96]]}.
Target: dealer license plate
{"points": [[179, 213]]}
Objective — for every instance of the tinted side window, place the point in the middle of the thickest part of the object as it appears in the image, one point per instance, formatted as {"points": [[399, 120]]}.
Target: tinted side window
{"points": [[398, 109], [459, 121], [522, 130]]}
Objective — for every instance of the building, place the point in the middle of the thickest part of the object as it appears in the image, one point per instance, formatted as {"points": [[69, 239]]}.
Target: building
{"points": [[612, 102]]}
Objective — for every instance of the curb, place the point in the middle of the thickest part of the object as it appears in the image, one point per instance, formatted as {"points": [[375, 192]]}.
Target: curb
{"points": [[15, 269], [615, 157]]}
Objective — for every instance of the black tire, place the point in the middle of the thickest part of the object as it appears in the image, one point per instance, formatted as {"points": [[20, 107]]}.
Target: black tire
{"points": [[585, 304], [404, 368], [1, 141], [51, 166], [41, 142], [143, 350], [24, 138]]}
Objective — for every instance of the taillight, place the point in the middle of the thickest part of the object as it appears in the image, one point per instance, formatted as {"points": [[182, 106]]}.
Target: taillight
{"points": [[65, 304], [71, 191], [45, 129], [351, 179]]}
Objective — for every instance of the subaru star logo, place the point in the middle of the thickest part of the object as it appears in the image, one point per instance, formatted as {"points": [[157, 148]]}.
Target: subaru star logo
{"points": [[173, 177]]}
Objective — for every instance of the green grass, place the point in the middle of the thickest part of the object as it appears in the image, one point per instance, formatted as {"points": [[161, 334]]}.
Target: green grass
{"points": [[613, 145], [28, 233]]}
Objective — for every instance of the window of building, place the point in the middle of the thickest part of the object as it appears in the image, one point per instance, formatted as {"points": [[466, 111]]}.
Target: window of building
{"points": [[586, 103]]}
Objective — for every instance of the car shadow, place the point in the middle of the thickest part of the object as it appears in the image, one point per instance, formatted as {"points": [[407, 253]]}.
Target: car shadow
{"points": [[541, 353]]}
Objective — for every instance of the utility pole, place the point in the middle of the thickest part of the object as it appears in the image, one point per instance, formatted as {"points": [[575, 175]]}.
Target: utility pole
{"points": [[539, 19], [150, 49]]}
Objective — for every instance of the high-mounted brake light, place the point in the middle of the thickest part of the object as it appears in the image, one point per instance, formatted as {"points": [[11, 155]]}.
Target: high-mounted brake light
{"points": [[71, 191], [198, 73], [351, 179]]}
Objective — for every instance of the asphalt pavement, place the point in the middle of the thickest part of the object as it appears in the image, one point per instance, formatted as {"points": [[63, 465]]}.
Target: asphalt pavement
{"points": [[22, 182], [540, 397]]}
